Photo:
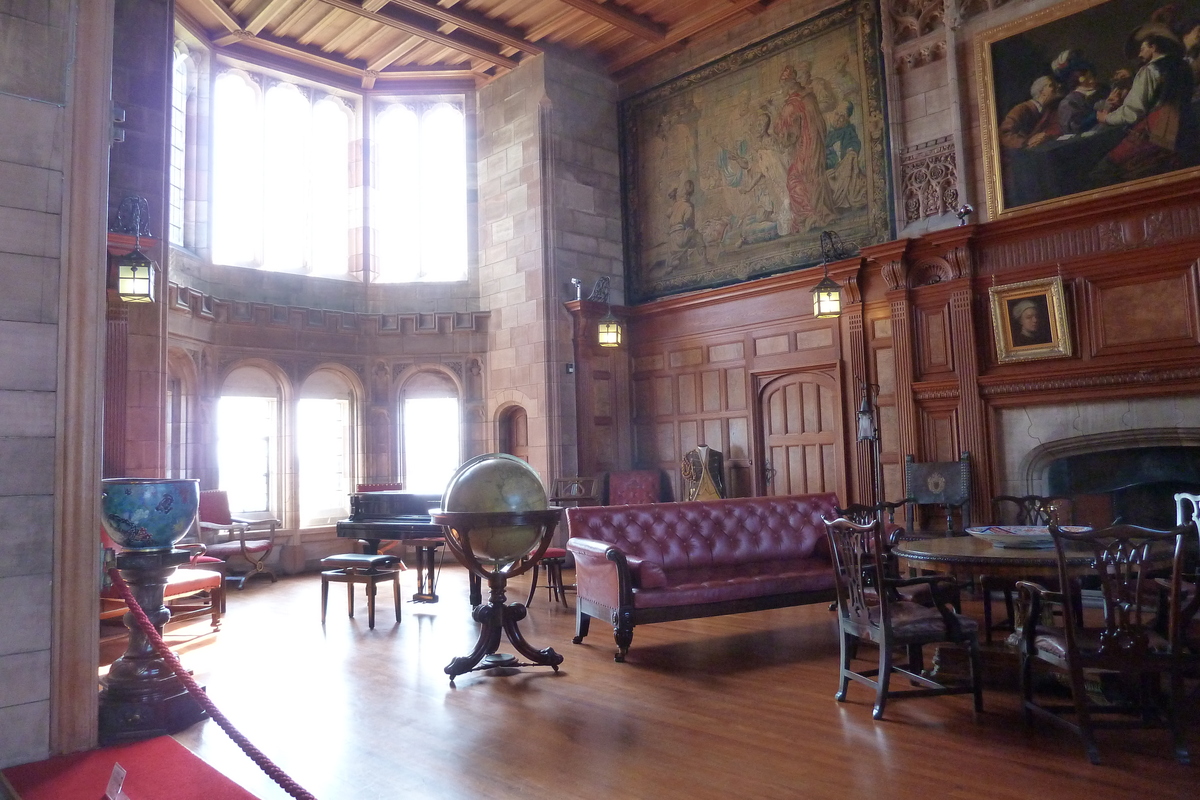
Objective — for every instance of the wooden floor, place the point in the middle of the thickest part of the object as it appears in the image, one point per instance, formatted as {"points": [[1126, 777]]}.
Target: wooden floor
{"points": [[732, 707]]}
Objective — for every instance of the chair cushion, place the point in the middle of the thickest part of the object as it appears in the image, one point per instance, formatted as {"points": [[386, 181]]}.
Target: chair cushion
{"points": [[181, 582], [360, 560], [223, 550], [554, 552], [1052, 641]]}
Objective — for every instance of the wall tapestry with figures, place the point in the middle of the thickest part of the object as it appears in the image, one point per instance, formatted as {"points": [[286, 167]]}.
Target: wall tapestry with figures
{"points": [[733, 170]]}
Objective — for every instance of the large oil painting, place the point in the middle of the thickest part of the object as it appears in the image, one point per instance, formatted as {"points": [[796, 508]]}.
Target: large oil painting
{"points": [[1089, 98], [734, 170]]}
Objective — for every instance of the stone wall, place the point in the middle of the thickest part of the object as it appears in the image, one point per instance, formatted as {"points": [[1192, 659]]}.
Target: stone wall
{"points": [[549, 211], [33, 117]]}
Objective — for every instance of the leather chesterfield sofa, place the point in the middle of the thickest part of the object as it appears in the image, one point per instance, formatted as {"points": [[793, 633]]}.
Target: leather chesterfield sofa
{"points": [[659, 562]]}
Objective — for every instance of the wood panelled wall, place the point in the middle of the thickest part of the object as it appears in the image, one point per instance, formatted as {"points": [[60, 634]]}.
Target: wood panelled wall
{"points": [[748, 370]]}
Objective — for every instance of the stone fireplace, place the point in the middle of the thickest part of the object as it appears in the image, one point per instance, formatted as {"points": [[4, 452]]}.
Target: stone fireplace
{"points": [[1118, 458]]}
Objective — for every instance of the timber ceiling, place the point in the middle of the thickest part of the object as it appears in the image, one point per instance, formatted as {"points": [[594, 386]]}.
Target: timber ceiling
{"points": [[372, 44]]}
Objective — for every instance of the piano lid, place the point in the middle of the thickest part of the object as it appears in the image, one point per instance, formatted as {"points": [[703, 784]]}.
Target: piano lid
{"points": [[391, 504]]}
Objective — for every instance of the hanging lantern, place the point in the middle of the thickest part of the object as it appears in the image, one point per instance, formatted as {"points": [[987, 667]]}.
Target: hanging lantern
{"points": [[827, 298], [608, 330], [135, 277]]}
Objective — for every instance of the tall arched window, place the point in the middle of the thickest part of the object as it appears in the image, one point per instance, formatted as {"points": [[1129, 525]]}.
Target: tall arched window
{"points": [[248, 440], [430, 432], [237, 210], [281, 176], [330, 188], [286, 178], [419, 215], [324, 447], [181, 81]]}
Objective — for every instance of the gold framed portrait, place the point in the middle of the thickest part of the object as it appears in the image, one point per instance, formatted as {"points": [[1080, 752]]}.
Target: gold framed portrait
{"points": [[1065, 111], [1029, 320]]}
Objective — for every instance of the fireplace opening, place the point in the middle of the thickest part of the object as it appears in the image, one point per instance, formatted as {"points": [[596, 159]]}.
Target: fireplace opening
{"points": [[1135, 485]]}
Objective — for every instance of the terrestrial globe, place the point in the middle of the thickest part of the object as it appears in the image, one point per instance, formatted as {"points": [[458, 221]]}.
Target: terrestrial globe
{"points": [[497, 482], [148, 514]]}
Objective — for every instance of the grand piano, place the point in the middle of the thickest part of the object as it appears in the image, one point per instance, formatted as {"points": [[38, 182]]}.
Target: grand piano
{"points": [[398, 516]]}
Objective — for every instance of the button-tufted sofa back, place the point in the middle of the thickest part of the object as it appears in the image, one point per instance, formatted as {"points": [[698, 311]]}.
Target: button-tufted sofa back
{"points": [[715, 533]]}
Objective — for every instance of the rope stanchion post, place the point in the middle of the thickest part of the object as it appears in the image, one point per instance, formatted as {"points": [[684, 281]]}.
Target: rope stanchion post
{"points": [[146, 627]]}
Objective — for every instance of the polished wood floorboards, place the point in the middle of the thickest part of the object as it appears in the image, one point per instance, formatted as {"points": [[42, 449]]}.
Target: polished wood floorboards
{"points": [[731, 707]]}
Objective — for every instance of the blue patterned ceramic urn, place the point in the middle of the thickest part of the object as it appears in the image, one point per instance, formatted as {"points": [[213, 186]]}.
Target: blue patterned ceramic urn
{"points": [[148, 513]]}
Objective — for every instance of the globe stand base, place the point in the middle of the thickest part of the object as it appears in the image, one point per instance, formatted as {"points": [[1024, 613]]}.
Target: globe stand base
{"points": [[497, 617], [498, 661]]}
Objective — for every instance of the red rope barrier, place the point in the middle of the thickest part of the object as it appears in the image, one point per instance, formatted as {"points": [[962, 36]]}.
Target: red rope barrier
{"points": [[265, 764]]}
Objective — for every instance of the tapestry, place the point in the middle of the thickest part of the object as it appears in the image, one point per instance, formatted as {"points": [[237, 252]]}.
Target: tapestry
{"points": [[733, 170]]}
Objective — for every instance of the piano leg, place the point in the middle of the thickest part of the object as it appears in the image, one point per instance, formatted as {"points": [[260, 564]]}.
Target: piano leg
{"points": [[426, 571]]}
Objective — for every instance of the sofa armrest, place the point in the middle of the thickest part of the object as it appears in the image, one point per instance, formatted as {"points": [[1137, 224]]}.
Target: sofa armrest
{"points": [[602, 573]]}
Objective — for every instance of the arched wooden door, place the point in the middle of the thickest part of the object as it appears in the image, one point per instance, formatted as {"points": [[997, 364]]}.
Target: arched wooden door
{"points": [[514, 432], [801, 434]]}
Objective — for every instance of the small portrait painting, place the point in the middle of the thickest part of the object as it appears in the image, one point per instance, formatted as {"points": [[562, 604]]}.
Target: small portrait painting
{"points": [[1029, 320]]}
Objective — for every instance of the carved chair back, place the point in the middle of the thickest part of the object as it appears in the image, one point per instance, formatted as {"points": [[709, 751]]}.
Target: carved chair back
{"points": [[1032, 509], [945, 484]]}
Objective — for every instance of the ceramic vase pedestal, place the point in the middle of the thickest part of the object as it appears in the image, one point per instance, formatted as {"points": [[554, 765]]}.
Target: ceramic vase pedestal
{"points": [[142, 697]]}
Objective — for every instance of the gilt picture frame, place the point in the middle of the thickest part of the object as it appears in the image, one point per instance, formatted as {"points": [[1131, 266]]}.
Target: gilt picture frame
{"points": [[1091, 136], [1029, 320]]}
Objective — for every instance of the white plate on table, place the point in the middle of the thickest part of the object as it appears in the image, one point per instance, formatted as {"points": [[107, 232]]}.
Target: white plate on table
{"points": [[1021, 535]]}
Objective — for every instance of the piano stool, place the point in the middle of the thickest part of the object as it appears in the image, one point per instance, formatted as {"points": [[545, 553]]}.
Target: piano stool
{"points": [[367, 569], [552, 561]]}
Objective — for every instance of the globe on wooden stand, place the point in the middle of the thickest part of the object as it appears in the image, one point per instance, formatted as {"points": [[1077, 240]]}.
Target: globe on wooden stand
{"points": [[145, 517], [497, 525]]}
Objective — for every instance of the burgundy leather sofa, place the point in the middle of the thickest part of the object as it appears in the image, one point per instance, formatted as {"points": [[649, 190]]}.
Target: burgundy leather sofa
{"points": [[658, 562]]}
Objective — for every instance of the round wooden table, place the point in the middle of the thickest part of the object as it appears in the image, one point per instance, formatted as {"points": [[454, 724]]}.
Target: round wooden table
{"points": [[967, 555]]}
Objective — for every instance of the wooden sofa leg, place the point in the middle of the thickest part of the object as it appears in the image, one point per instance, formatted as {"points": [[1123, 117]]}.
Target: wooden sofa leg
{"points": [[582, 622], [623, 633]]}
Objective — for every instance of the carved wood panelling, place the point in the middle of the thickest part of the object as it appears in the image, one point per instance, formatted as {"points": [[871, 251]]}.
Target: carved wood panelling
{"points": [[1099, 383], [710, 391], [1160, 226], [687, 394], [929, 179], [663, 395], [736, 396], [933, 340], [1144, 314], [939, 429]]}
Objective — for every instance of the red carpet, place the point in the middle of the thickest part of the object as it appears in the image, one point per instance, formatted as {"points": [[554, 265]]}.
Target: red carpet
{"points": [[157, 769]]}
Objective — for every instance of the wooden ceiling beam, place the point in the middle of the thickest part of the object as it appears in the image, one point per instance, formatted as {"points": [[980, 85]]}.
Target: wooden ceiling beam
{"points": [[433, 36], [265, 15], [227, 20], [395, 54], [478, 25], [613, 14], [692, 27], [340, 67]]}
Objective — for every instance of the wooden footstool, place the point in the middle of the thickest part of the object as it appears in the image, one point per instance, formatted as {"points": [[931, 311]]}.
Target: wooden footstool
{"points": [[352, 568]]}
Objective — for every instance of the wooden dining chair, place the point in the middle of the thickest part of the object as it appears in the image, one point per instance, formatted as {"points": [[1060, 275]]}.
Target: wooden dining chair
{"points": [[1030, 509], [877, 615], [1131, 643]]}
